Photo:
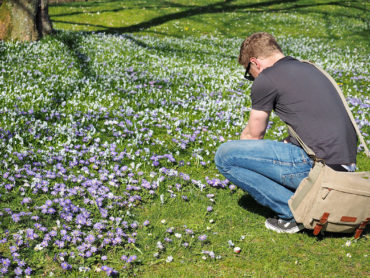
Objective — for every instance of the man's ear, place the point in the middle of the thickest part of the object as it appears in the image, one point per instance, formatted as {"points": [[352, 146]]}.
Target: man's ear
{"points": [[255, 62]]}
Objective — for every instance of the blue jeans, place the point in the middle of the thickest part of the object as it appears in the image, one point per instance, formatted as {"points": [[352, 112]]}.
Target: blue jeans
{"points": [[269, 171]]}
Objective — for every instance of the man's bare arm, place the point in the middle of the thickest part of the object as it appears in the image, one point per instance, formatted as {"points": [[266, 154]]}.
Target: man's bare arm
{"points": [[256, 126]]}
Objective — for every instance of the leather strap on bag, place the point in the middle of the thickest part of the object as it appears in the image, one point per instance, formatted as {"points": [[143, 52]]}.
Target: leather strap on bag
{"points": [[361, 228], [340, 93], [321, 223]]}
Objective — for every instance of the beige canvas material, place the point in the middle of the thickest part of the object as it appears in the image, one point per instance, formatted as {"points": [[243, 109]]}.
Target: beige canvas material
{"points": [[344, 195], [341, 197]]}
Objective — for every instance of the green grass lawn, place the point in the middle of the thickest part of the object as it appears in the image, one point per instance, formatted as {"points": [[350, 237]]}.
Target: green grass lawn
{"points": [[344, 22], [108, 131]]}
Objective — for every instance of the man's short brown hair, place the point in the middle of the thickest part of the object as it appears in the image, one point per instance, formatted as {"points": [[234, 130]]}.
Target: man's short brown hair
{"points": [[259, 44]]}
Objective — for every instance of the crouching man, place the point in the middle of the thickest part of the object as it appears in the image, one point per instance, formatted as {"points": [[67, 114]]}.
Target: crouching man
{"points": [[302, 97]]}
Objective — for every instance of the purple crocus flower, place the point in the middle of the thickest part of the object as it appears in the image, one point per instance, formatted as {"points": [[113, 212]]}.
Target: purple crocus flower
{"points": [[116, 240], [106, 268], [202, 237], [28, 271], [6, 262], [65, 266], [124, 258], [131, 258], [189, 231], [18, 270], [146, 223], [3, 270], [90, 238], [16, 217]]}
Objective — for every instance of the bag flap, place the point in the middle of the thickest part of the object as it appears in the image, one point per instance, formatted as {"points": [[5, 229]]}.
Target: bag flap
{"points": [[350, 182]]}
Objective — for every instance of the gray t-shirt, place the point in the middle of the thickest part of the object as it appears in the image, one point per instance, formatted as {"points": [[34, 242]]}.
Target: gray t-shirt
{"points": [[306, 100]]}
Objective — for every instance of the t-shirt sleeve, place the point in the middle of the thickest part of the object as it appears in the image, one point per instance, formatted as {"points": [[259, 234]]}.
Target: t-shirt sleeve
{"points": [[263, 94]]}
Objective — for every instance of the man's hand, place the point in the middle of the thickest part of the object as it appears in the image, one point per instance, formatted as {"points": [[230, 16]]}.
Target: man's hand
{"points": [[256, 126]]}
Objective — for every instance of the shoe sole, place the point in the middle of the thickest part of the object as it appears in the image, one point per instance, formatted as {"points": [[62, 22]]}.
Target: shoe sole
{"points": [[290, 231]]}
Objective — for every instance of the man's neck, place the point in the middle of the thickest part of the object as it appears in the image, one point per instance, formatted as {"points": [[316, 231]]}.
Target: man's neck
{"points": [[271, 60], [266, 62]]}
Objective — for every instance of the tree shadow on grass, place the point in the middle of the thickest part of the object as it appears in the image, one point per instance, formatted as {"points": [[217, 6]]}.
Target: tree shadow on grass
{"points": [[170, 50], [72, 45], [223, 7], [93, 3], [248, 203], [219, 7], [82, 62]]}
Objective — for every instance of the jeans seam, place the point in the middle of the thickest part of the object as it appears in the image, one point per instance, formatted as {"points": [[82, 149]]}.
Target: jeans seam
{"points": [[266, 160]]}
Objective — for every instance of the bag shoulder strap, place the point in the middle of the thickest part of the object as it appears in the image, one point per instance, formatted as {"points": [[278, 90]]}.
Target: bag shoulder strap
{"points": [[340, 93], [306, 148]]}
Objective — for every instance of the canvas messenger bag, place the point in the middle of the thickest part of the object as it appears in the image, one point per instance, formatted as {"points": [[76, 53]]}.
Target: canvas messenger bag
{"points": [[328, 200]]}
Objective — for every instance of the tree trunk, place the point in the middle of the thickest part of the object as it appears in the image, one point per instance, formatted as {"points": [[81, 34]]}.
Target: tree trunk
{"points": [[24, 20], [44, 25]]}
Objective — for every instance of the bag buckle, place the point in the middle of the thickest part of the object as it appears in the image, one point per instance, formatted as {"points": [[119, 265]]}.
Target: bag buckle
{"points": [[318, 160], [322, 222]]}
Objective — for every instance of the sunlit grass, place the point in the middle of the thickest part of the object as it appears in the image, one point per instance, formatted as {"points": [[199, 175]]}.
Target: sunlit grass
{"points": [[125, 127], [338, 21]]}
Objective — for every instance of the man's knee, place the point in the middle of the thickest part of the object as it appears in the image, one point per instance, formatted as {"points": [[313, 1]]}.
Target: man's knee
{"points": [[224, 153], [218, 156], [229, 152]]}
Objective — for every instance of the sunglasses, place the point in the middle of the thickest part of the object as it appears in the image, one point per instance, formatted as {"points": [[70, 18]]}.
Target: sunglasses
{"points": [[247, 75]]}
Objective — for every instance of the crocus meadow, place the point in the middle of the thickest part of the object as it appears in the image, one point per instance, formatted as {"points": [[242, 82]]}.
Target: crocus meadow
{"points": [[94, 126]]}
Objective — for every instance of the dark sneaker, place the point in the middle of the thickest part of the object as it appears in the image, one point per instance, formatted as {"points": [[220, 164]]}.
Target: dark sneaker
{"points": [[283, 226]]}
